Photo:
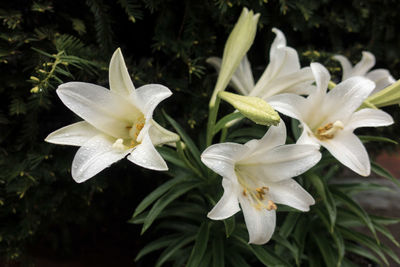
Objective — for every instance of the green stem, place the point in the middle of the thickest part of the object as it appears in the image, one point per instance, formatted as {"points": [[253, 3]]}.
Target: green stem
{"points": [[224, 133], [181, 153], [212, 118]]}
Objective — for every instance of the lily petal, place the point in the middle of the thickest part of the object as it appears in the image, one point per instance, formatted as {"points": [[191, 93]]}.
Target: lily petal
{"points": [[346, 66], [348, 149], [382, 79], [105, 110], [364, 65], [159, 135], [228, 205], [259, 222], [322, 76], [295, 82], [307, 137], [148, 96], [242, 80], [368, 117], [119, 78], [221, 158], [145, 155], [345, 98], [94, 156], [280, 163], [289, 104], [75, 134], [290, 193], [275, 136]]}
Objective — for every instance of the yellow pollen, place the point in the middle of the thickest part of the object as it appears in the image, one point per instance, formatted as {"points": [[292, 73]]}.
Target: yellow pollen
{"points": [[139, 126], [135, 129], [329, 130], [245, 192], [271, 205]]}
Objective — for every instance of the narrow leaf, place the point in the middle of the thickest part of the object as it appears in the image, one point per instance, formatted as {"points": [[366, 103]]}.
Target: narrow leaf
{"points": [[200, 245], [218, 250], [376, 168], [185, 137], [368, 138], [162, 202], [153, 196], [173, 248]]}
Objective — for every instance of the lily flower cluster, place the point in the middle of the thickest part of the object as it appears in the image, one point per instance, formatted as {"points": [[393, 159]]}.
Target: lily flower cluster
{"points": [[257, 175]]}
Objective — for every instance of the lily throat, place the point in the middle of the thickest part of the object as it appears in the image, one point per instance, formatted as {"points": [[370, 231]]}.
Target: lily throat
{"points": [[258, 196], [134, 131], [329, 130]]}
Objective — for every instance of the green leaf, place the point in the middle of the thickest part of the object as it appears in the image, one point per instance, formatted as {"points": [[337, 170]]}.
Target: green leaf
{"points": [[354, 188], [163, 201], [326, 249], [267, 257], [185, 137], [296, 130], [376, 168], [291, 247], [236, 260], [323, 190], [365, 241], [356, 209], [250, 132], [262, 253], [17, 106], [341, 248], [200, 245], [227, 119], [218, 250], [229, 225], [356, 249], [206, 260], [173, 248], [156, 244], [289, 224], [383, 230], [153, 196], [368, 138], [171, 156], [384, 220]]}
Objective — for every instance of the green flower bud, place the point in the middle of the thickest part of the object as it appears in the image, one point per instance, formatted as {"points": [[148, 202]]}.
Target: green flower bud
{"points": [[237, 45], [386, 97], [253, 108]]}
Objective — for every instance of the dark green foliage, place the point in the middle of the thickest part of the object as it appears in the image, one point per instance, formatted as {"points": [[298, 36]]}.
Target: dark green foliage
{"points": [[46, 43]]}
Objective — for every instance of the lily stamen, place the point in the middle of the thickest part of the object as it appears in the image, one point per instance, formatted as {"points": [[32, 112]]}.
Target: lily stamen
{"points": [[329, 130], [271, 205]]}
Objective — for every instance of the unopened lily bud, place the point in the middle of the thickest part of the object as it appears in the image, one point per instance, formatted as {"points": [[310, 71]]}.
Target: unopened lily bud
{"points": [[253, 108], [237, 45], [386, 97]]}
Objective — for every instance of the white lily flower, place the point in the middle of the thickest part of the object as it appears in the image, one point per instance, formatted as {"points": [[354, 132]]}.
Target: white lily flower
{"points": [[117, 122], [329, 119], [381, 77], [257, 175], [282, 75]]}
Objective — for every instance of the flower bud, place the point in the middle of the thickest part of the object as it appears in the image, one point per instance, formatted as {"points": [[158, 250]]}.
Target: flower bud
{"points": [[237, 45], [253, 108], [386, 97]]}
